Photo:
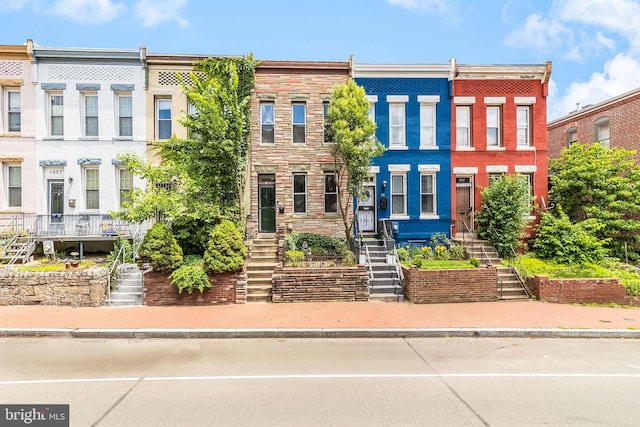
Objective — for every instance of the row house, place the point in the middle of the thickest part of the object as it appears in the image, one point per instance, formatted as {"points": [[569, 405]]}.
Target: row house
{"points": [[410, 184], [499, 116], [614, 122]]}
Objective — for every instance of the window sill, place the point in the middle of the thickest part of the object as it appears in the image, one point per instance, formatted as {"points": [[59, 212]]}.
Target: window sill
{"points": [[399, 217], [122, 138], [429, 147], [525, 148], [429, 216], [88, 138], [494, 148], [463, 148], [398, 147], [53, 138], [11, 135]]}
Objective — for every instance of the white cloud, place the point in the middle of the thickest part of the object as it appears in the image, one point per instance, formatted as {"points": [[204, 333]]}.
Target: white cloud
{"points": [[87, 11], [437, 6], [12, 4], [540, 34], [154, 12]]}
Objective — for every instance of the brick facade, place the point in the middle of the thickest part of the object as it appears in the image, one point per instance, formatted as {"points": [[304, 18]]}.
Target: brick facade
{"points": [[623, 113], [320, 284], [160, 291], [449, 286], [580, 291]]}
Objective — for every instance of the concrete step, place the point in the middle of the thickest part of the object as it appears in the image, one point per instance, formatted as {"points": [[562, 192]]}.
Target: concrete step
{"points": [[386, 298]]}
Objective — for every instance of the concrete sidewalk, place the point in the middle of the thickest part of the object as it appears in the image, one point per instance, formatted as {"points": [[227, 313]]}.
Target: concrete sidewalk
{"points": [[331, 319]]}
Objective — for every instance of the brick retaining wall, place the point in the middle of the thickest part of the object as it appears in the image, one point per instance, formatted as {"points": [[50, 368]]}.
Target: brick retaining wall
{"points": [[580, 291], [320, 284], [423, 286], [160, 290], [83, 288]]}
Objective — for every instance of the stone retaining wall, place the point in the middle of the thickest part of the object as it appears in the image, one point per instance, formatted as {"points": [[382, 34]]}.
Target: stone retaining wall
{"points": [[423, 286], [227, 288], [83, 288], [580, 291], [320, 284]]}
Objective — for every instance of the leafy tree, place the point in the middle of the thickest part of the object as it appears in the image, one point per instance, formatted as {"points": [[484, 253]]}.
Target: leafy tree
{"points": [[560, 240], [226, 251], [160, 249], [354, 146], [595, 182], [502, 218]]}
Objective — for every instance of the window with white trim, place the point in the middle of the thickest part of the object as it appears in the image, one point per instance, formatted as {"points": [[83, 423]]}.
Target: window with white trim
{"points": [[13, 109], [299, 120], [299, 193], [397, 125], [330, 193], [427, 193], [572, 136], [398, 194], [14, 186], [603, 132], [92, 188], [463, 126], [163, 118], [427, 125], [55, 112], [267, 122], [493, 126], [125, 114], [90, 113], [523, 122], [125, 184]]}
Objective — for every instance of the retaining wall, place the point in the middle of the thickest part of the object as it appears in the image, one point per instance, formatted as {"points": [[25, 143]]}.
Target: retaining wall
{"points": [[320, 284], [422, 286], [580, 291], [226, 288]]}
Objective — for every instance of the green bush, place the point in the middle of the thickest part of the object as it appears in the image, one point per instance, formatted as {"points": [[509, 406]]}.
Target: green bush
{"points": [[349, 259], [319, 244], [226, 251], [191, 276], [475, 262], [160, 249], [294, 258], [403, 254]]}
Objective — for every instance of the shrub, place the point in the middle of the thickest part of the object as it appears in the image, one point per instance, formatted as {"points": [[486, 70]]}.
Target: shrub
{"points": [[475, 262], [318, 243], [160, 249], [349, 259], [456, 251], [226, 251], [190, 276], [403, 254], [294, 258]]}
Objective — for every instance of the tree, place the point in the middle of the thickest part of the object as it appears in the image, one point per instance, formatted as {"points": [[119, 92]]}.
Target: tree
{"points": [[160, 249], [502, 218], [598, 183], [354, 146], [226, 251]]}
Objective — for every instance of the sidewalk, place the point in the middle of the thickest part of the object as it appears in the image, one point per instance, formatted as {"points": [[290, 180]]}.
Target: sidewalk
{"points": [[331, 319]]}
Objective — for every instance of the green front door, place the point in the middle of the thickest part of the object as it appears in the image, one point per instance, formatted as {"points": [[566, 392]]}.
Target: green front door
{"points": [[267, 203]]}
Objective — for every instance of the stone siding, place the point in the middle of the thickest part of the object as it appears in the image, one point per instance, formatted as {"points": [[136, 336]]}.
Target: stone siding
{"points": [[453, 285], [82, 288], [160, 290], [320, 284], [580, 291]]}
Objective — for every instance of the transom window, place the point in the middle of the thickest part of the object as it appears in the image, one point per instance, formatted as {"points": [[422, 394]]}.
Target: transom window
{"points": [[299, 193], [493, 126], [267, 122], [299, 116], [523, 119]]}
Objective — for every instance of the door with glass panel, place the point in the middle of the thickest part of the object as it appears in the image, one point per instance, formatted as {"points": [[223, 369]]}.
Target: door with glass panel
{"points": [[367, 209], [266, 203], [464, 204], [56, 206]]}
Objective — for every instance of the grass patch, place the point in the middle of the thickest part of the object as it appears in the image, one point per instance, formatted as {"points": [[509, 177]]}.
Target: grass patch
{"points": [[434, 264], [55, 266]]}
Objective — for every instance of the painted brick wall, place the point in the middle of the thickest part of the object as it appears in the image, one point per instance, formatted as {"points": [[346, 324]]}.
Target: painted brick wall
{"points": [[448, 286], [580, 291], [160, 291], [320, 284]]}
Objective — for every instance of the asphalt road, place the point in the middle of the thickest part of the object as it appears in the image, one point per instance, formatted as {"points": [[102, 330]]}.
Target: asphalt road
{"points": [[324, 382]]}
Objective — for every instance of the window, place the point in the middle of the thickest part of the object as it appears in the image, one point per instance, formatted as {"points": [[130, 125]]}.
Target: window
{"points": [[495, 176], [163, 106], [463, 126], [267, 122], [523, 119], [299, 113], [328, 131], [372, 112], [603, 132], [14, 181], [572, 136], [493, 126], [92, 188], [299, 193], [126, 186], [56, 114], [528, 177], [398, 195], [397, 125], [125, 115], [330, 193], [427, 194], [427, 125], [13, 110], [90, 106]]}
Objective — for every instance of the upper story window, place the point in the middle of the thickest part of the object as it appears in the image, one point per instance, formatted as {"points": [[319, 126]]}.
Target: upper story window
{"points": [[330, 193], [398, 194], [523, 120], [463, 126], [14, 185], [299, 193], [56, 114], [125, 184], [328, 131], [163, 114], [397, 125], [603, 135], [92, 188], [125, 114], [90, 112], [267, 122], [572, 136], [299, 119], [13, 109], [493, 126], [428, 120]]}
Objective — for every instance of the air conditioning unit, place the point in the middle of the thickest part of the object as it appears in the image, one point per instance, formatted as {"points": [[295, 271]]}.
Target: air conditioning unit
{"points": [[47, 247]]}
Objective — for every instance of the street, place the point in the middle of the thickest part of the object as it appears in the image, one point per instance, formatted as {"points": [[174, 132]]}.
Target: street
{"points": [[332, 382]]}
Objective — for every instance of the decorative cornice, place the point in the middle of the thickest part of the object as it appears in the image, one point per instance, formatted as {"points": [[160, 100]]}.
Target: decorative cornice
{"points": [[401, 70]]}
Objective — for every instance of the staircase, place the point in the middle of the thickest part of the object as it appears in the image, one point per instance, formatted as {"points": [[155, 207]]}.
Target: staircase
{"points": [[384, 282], [129, 287], [509, 286], [18, 247], [262, 262]]}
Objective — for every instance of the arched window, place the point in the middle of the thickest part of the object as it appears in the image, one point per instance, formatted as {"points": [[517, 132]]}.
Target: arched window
{"points": [[572, 136], [603, 134]]}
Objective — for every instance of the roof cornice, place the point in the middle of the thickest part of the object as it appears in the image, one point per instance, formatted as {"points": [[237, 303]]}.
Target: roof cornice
{"points": [[340, 66], [401, 70], [584, 111], [14, 52], [87, 54], [514, 71]]}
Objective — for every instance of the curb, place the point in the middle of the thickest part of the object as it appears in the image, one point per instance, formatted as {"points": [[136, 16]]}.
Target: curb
{"points": [[144, 333]]}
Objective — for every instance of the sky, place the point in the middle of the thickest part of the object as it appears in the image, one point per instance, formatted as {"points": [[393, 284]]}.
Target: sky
{"points": [[593, 45]]}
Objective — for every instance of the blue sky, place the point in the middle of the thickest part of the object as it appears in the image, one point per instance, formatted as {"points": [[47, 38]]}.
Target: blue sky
{"points": [[594, 45]]}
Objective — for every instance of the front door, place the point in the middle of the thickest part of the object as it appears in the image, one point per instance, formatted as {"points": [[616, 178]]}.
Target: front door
{"points": [[56, 205], [464, 206], [266, 203], [367, 210]]}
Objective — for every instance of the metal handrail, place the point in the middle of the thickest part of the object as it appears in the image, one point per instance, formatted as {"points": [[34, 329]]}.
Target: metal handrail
{"points": [[116, 264]]}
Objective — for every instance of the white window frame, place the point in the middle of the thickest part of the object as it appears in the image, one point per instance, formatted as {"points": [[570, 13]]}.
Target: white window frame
{"points": [[463, 128], [599, 127], [571, 133], [433, 213], [120, 116], [523, 126], [51, 97], [428, 120], [497, 126], [13, 186], [162, 100], [264, 122], [298, 194], [397, 121], [328, 193], [86, 96], [122, 189], [89, 189], [297, 124], [11, 110]]}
